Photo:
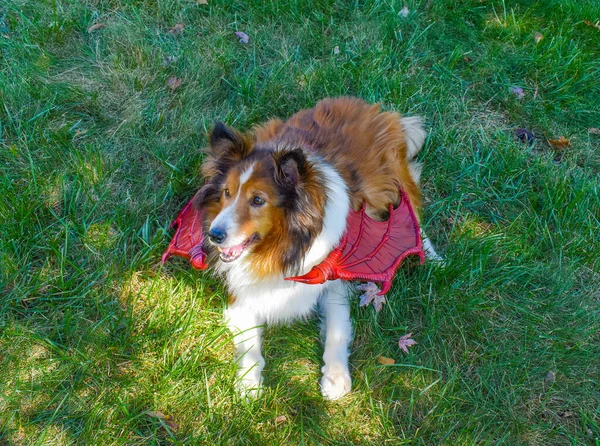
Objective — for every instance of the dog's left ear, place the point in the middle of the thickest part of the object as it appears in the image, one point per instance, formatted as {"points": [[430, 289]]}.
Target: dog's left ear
{"points": [[302, 198], [291, 168]]}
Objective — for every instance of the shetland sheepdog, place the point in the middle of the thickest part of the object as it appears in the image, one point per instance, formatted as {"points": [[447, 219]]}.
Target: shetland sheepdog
{"points": [[275, 202]]}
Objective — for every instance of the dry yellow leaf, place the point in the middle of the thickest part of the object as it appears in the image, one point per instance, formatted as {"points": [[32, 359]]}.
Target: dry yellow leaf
{"points": [[96, 27], [559, 144], [280, 419], [177, 29], [595, 25], [167, 419], [385, 361]]}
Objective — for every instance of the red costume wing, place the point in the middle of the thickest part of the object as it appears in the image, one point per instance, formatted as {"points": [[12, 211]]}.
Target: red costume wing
{"points": [[371, 250], [187, 241]]}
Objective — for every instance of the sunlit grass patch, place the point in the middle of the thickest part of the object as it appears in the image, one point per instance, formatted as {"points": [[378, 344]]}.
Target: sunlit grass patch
{"points": [[98, 154]]}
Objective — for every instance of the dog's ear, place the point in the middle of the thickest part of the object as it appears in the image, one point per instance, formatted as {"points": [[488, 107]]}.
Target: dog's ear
{"points": [[228, 141], [221, 133], [227, 146], [303, 199], [291, 168], [210, 192]]}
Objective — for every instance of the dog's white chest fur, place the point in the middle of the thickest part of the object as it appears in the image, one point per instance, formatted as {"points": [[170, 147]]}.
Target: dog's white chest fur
{"points": [[277, 300], [274, 299]]}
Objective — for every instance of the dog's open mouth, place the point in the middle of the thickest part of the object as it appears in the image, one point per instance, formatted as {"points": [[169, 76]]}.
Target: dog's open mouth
{"points": [[232, 253]]}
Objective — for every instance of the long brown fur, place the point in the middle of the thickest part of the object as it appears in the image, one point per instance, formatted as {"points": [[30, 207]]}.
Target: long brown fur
{"points": [[367, 147]]}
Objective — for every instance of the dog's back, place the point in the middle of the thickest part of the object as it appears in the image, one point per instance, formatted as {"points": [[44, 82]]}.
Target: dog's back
{"points": [[373, 151]]}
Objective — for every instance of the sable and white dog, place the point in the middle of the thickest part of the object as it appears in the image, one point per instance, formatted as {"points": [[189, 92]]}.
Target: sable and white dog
{"points": [[276, 201]]}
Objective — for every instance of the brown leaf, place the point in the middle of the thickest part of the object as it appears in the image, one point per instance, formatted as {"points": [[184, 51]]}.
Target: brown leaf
{"points": [[385, 361], [467, 59], [537, 37], [559, 144], [280, 419], [96, 27], [594, 25], [173, 83], [177, 29], [168, 420]]}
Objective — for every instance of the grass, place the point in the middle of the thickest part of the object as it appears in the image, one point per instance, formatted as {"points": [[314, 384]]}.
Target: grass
{"points": [[97, 155]]}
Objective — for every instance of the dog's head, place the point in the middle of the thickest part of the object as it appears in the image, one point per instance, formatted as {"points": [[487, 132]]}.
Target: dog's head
{"points": [[261, 201]]}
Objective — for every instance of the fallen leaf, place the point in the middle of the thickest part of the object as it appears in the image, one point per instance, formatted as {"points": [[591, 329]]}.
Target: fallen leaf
{"points": [[96, 27], [280, 419], [405, 342], [594, 131], [517, 91], [203, 2], [244, 38], [168, 420], [168, 60], [173, 83], [594, 25], [177, 29], [336, 50], [565, 414], [550, 377], [404, 12], [525, 135], [371, 295], [589, 431], [559, 144], [537, 37], [385, 361], [467, 59]]}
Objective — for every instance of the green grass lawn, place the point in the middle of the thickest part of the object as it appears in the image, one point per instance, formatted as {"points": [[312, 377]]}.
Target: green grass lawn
{"points": [[98, 154]]}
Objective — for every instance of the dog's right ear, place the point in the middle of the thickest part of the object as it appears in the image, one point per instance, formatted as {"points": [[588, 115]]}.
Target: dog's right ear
{"points": [[227, 146]]}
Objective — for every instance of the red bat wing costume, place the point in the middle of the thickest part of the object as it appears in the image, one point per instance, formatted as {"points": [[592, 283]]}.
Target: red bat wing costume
{"points": [[188, 239], [369, 250]]}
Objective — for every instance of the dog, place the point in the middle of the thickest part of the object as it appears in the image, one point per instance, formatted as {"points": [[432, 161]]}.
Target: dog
{"points": [[275, 203]]}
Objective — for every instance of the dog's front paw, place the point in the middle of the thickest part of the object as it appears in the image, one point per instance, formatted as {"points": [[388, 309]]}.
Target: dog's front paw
{"points": [[336, 382], [249, 386]]}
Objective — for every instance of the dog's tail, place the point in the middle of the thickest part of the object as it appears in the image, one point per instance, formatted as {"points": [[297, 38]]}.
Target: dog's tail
{"points": [[415, 138]]}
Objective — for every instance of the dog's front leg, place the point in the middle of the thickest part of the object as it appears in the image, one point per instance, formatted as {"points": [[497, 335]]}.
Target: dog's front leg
{"points": [[247, 337], [336, 381]]}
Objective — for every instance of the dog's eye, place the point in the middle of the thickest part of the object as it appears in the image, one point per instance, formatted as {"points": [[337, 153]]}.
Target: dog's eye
{"points": [[257, 201], [226, 193]]}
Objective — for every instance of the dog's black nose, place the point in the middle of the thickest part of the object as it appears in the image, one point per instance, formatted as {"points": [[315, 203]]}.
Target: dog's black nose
{"points": [[217, 235]]}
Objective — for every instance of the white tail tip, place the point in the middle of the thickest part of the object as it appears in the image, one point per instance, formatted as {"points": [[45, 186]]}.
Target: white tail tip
{"points": [[415, 135]]}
